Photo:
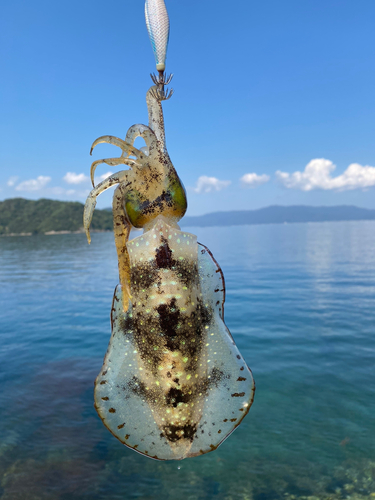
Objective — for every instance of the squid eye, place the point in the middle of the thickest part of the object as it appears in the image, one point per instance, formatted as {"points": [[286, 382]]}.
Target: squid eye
{"points": [[133, 207], [178, 195], [171, 202]]}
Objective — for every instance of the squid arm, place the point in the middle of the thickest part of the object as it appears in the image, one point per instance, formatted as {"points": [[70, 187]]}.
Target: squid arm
{"points": [[90, 204], [125, 147], [155, 114], [113, 162], [146, 133], [110, 139]]}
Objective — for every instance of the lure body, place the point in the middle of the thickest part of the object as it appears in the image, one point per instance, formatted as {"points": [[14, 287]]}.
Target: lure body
{"points": [[157, 22], [173, 384]]}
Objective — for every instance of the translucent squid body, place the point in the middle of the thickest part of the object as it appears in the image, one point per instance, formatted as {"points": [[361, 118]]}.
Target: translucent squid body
{"points": [[173, 384]]}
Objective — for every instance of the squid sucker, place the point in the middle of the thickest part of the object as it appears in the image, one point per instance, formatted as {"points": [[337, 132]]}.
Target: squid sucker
{"points": [[173, 383]]}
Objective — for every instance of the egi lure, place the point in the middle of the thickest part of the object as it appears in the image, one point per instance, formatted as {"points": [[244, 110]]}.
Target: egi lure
{"points": [[173, 384]]}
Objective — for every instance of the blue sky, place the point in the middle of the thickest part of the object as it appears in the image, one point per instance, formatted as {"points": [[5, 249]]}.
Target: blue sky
{"points": [[274, 101]]}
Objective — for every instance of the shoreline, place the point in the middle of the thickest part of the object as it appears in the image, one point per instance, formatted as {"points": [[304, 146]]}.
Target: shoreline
{"points": [[53, 233]]}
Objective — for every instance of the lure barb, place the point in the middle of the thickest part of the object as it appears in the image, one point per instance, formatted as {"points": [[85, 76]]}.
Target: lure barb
{"points": [[161, 93]]}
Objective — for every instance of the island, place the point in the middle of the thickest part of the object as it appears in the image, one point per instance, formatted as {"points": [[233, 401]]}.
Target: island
{"points": [[28, 217]]}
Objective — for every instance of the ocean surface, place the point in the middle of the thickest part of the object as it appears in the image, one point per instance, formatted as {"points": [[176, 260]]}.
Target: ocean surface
{"points": [[301, 308]]}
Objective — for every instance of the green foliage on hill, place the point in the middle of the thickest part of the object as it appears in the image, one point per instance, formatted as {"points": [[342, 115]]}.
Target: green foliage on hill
{"points": [[18, 215]]}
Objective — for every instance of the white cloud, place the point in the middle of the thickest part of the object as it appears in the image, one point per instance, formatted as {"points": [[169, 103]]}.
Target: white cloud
{"points": [[73, 178], [34, 184], [253, 180], [12, 180], [207, 184], [317, 175], [70, 193]]}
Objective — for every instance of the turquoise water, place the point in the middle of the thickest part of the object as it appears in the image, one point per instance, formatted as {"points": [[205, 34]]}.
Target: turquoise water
{"points": [[301, 307]]}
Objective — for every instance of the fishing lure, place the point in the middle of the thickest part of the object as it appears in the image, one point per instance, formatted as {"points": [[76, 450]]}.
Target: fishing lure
{"points": [[173, 384]]}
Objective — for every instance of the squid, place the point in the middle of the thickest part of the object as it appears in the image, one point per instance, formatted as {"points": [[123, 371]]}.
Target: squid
{"points": [[173, 383]]}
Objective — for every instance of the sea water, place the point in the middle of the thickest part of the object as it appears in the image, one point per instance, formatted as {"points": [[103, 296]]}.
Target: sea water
{"points": [[301, 308]]}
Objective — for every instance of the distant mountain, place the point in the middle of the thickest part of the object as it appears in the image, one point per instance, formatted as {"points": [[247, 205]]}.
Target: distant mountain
{"points": [[279, 215], [18, 215]]}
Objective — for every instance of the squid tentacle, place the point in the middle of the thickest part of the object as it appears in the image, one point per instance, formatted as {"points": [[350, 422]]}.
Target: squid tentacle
{"points": [[90, 204], [122, 227]]}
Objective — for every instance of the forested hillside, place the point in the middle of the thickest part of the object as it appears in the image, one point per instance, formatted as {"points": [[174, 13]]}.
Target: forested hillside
{"points": [[18, 215]]}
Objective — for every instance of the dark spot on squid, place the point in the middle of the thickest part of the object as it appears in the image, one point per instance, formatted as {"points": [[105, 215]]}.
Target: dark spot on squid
{"points": [[120, 426], [219, 432], [103, 382], [104, 373], [176, 432], [169, 317], [176, 396], [127, 436], [238, 395], [126, 324], [187, 272], [163, 255], [238, 356], [105, 399], [205, 313], [241, 379], [158, 204], [137, 387], [112, 410], [216, 376], [233, 419], [143, 276], [225, 420], [242, 368]]}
